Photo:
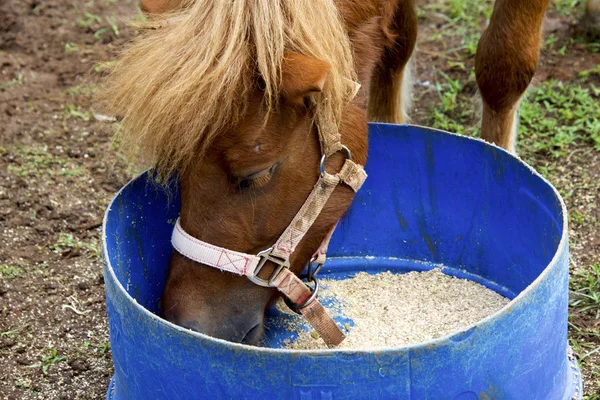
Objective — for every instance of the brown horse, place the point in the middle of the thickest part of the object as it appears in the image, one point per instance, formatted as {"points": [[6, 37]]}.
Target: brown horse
{"points": [[231, 95]]}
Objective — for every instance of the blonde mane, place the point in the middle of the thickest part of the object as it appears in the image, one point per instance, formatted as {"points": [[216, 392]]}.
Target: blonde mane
{"points": [[188, 74]]}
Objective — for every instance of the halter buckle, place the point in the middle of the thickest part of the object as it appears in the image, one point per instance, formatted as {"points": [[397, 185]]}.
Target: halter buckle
{"points": [[310, 276], [315, 292], [265, 256]]}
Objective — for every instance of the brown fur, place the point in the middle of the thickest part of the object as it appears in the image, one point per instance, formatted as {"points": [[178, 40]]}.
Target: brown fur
{"points": [[266, 126], [506, 60]]}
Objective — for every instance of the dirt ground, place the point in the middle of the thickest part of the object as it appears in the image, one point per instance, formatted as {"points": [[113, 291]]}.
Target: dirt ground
{"points": [[59, 169]]}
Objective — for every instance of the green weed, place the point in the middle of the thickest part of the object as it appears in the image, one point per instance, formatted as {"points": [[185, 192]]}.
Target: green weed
{"points": [[586, 73], [35, 161], [88, 19], [87, 90], [113, 25], [140, 16], [51, 359], [98, 34], [9, 271], [71, 110], [70, 47], [38, 162], [550, 40], [585, 291], [66, 242], [16, 81], [565, 7], [575, 217], [555, 115], [11, 333], [23, 384], [104, 67], [465, 20], [455, 112]]}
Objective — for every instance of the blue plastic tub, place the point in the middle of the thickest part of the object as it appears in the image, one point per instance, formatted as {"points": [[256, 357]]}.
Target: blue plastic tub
{"points": [[432, 199]]}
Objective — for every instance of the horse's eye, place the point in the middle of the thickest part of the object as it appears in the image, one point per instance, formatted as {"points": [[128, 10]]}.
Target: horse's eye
{"points": [[308, 102], [257, 179]]}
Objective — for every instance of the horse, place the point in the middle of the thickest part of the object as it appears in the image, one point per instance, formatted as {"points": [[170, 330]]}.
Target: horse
{"points": [[238, 98]]}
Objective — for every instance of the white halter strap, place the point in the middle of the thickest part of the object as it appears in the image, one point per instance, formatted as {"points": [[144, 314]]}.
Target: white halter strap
{"points": [[214, 256]]}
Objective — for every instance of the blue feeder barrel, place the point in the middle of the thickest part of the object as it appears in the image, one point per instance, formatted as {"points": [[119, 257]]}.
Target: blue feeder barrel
{"points": [[432, 199]]}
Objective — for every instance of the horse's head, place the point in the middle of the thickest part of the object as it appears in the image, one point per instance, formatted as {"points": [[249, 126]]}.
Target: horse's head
{"points": [[252, 181], [221, 94]]}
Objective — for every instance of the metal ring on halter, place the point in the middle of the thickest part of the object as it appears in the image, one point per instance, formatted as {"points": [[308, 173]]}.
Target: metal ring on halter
{"points": [[315, 292], [265, 256], [324, 158], [311, 272]]}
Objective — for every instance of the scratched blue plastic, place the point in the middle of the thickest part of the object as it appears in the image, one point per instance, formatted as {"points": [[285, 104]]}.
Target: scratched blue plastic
{"points": [[432, 199]]}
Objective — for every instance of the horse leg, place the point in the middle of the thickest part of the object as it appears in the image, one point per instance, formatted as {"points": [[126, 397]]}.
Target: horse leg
{"points": [[590, 23], [390, 86], [506, 60]]}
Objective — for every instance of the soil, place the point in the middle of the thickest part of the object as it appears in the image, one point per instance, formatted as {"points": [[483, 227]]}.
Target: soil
{"points": [[57, 174], [59, 169]]}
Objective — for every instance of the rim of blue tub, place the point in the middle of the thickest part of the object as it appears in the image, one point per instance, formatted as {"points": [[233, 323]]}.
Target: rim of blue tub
{"points": [[422, 345]]}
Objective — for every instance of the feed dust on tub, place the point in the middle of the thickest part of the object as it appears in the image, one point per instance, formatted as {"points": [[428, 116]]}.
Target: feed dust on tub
{"points": [[392, 310]]}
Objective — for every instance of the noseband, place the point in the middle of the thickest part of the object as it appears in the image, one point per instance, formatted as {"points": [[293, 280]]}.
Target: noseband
{"points": [[300, 297]]}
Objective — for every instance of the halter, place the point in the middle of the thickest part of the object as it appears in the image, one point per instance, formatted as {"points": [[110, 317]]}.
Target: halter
{"points": [[303, 299]]}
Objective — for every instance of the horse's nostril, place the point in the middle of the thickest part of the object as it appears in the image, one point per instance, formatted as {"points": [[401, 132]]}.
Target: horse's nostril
{"points": [[253, 335]]}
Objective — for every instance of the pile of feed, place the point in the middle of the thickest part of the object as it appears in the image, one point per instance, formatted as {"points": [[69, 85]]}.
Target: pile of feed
{"points": [[397, 309]]}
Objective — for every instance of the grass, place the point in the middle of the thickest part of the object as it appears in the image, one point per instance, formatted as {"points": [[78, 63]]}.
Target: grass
{"points": [[585, 291], [16, 81], [67, 242], [556, 115], [587, 73], [464, 19], [9, 272], [96, 345], [38, 162], [566, 7], [87, 90], [10, 333], [455, 111], [104, 68], [88, 19], [70, 47], [51, 359], [553, 117], [585, 299], [72, 111], [96, 24]]}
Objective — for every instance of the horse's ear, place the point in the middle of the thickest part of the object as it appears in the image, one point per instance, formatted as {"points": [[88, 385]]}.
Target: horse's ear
{"points": [[302, 76]]}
